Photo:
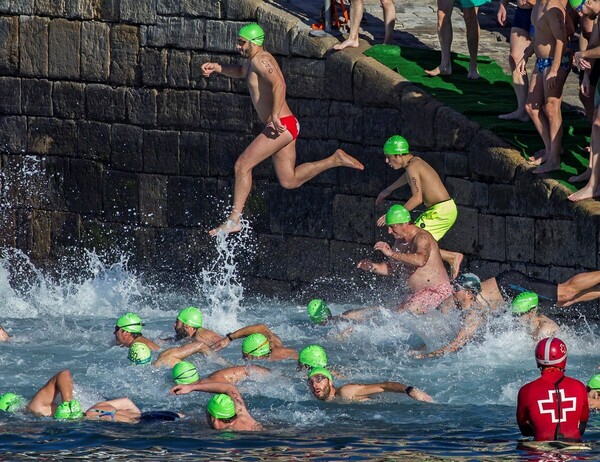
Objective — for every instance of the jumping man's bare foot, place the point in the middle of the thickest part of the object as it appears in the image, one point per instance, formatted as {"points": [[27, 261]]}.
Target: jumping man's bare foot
{"points": [[230, 226], [584, 193], [440, 70], [343, 159], [353, 43], [585, 176], [521, 116]]}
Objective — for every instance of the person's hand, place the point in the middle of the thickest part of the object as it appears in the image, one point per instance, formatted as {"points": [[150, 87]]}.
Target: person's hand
{"points": [[382, 195], [209, 68], [277, 125], [551, 78], [365, 265], [217, 346], [501, 15], [180, 390], [384, 248], [585, 86], [420, 395], [580, 61], [381, 220], [522, 66]]}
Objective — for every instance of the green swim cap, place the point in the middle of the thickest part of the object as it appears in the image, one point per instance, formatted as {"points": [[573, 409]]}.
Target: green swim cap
{"points": [[313, 356], [594, 382], [221, 406], [184, 373], [256, 345], [140, 353], [397, 215], [191, 316], [524, 302], [320, 371], [468, 281], [69, 410], [577, 4], [130, 322], [253, 33], [318, 311], [396, 145], [10, 402]]}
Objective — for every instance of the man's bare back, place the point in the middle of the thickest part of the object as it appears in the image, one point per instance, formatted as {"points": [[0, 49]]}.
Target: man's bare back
{"points": [[544, 40], [420, 173]]}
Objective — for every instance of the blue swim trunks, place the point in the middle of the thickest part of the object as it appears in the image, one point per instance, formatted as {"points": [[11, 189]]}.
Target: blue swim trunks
{"points": [[544, 63]]}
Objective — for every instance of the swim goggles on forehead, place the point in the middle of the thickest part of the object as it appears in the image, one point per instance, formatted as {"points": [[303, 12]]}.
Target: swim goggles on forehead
{"points": [[128, 325], [580, 7]]}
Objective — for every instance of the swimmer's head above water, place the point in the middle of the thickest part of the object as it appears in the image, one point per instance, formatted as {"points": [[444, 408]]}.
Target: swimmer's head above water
{"points": [[69, 410], [221, 407], [184, 373], [312, 356], [139, 353], [11, 402], [396, 146], [188, 321], [594, 383], [319, 387], [397, 215], [469, 282], [130, 322], [524, 303], [256, 345], [318, 311]]}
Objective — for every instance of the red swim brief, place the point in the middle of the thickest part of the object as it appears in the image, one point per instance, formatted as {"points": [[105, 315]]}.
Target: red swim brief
{"points": [[291, 123]]}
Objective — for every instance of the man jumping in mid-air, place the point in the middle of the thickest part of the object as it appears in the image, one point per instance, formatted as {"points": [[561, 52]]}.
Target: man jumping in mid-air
{"points": [[278, 140]]}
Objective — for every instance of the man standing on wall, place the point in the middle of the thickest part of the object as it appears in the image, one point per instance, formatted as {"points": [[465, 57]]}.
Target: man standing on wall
{"points": [[356, 15], [278, 140]]}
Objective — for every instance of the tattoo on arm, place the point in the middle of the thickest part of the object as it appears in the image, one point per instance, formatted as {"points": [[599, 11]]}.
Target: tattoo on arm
{"points": [[267, 65], [413, 180]]}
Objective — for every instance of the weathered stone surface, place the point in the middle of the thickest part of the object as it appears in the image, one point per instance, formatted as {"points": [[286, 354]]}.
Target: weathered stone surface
{"points": [[107, 238], [153, 200], [353, 181], [379, 123], [10, 95], [9, 46], [571, 243], [36, 97], [462, 191], [178, 69], [419, 131], [161, 152], [49, 7], [492, 237], [221, 36], [218, 82], [224, 149], [456, 164], [312, 150], [194, 153], [64, 49], [65, 229], [186, 198], [82, 186], [308, 259], [484, 269], [106, 104], [309, 209], [40, 230], [217, 107], [124, 47], [313, 116], [168, 7], [353, 219], [240, 11], [93, 140], [141, 106], [95, 55], [481, 198], [22, 7], [464, 235], [51, 136], [176, 32], [345, 122], [453, 130], [126, 147], [308, 76], [138, 11], [25, 190], [532, 194], [68, 100], [279, 28], [376, 85], [304, 45], [107, 10], [202, 8], [154, 67], [8, 225], [121, 197], [179, 109], [339, 73], [519, 242], [79, 9], [272, 256], [33, 44], [13, 134], [345, 255], [501, 199], [492, 157]]}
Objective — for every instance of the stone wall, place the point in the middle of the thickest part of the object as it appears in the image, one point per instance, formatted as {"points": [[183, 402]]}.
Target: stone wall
{"points": [[111, 139]]}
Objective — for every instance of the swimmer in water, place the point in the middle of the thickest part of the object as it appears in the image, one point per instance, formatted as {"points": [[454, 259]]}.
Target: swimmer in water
{"points": [[525, 305], [259, 343], [3, 335], [128, 330], [278, 139], [226, 410], [320, 382], [593, 391]]}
